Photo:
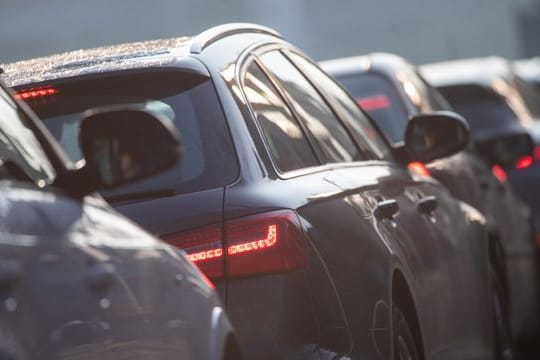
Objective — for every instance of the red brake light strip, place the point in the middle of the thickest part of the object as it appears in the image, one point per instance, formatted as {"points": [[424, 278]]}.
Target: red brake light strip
{"points": [[35, 93], [269, 241]]}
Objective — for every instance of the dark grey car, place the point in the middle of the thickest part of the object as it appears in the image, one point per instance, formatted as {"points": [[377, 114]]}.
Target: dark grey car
{"points": [[391, 91], [320, 242]]}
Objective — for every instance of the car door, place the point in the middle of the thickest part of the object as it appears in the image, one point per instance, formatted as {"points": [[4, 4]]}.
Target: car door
{"points": [[370, 187], [440, 263]]}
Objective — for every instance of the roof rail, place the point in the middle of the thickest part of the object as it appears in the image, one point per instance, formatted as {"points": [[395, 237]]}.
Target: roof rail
{"points": [[201, 41]]}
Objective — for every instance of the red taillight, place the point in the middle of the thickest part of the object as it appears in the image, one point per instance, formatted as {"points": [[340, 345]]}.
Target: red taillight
{"points": [[260, 244], [418, 168], [204, 248], [29, 94], [499, 173], [524, 162], [374, 102]]}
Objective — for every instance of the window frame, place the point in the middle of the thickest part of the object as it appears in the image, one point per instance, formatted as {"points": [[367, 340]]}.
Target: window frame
{"points": [[352, 133], [244, 61]]}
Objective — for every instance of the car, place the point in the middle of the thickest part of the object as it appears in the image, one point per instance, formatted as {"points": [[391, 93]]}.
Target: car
{"points": [[320, 242], [529, 70], [77, 279], [391, 91], [498, 104]]}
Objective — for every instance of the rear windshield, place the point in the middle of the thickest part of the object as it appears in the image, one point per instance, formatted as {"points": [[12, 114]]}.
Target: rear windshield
{"points": [[482, 109], [208, 159], [376, 95]]}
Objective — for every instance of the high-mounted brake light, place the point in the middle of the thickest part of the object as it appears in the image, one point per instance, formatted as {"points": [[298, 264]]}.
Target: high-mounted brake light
{"points": [[499, 173], [374, 102], [418, 168], [29, 94], [261, 244], [524, 162]]}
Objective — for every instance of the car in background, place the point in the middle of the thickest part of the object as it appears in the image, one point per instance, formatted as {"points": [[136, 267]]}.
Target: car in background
{"points": [[528, 70], [321, 244], [78, 280], [498, 105], [391, 91]]}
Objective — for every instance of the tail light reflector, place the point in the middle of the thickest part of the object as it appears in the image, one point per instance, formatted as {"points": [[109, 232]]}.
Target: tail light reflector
{"points": [[261, 244], [524, 162], [418, 168]]}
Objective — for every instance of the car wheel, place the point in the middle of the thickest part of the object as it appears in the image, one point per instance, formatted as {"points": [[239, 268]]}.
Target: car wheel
{"points": [[503, 337], [404, 344]]}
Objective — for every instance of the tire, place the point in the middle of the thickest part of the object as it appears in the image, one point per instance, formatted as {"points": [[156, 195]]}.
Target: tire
{"points": [[404, 345], [503, 337]]}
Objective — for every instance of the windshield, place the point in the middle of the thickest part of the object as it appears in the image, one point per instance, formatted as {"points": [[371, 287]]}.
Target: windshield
{"points": [[189, 100], [483, 110], [377, 97]]}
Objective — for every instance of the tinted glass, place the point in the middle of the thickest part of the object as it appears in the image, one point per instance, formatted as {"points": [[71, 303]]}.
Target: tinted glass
{"points": [[378, 97], [189, 100], [371, 144], [332, 137], [283, 135], [21, 154], [482, 109]]}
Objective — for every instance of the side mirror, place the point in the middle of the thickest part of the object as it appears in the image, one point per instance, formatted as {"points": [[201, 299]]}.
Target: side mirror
{"points": [[435, 135], [506, 150], [122, 144]]}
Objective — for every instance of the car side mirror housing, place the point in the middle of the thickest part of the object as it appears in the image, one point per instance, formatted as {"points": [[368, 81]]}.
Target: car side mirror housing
{"points": [[435, 135], [122, 144], [506, 150]]}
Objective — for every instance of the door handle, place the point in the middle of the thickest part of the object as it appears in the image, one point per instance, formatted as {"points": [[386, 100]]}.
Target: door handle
{"points": [[386, 209], [427, 205]]}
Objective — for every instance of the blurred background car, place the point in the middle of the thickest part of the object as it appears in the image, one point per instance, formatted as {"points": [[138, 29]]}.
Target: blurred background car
{"points": [[320, 243], [528, 70], [391, 91], [78, 280], [498, 105]]}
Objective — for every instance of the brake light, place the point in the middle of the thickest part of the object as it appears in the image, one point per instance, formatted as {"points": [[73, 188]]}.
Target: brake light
{"points": [[499, 173], [418, 168], [260, 244], [374, 102], [33, 93], [524, 162], [204, 248]]}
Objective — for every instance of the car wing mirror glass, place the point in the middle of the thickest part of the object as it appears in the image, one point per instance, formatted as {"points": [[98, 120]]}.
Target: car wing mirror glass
{"points": [[436, 135], [126, 143]]}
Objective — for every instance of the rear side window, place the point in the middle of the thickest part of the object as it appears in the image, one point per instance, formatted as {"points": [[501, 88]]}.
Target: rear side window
{"points": [[379, 98], [371, 143], [284, 137], [483, 109], [188, 99], [310, 107]]}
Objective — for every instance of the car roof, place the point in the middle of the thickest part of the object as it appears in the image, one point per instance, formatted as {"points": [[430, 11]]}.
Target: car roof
{"points": [[135, 55], [474, 71], [385, 63], [528, 69]]}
